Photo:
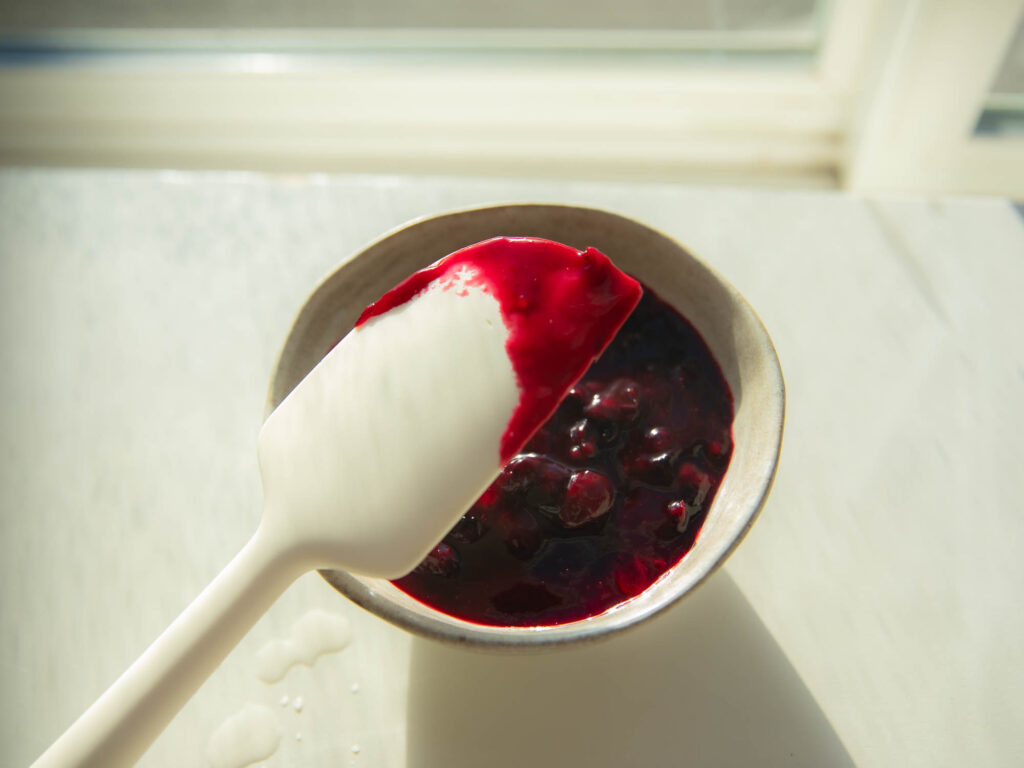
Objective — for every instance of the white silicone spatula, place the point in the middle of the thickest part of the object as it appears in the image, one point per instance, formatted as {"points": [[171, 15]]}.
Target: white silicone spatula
{"points": [[378, 452]]}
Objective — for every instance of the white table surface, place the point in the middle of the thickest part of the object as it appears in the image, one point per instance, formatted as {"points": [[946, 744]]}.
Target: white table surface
{"points": [[874, 615]]}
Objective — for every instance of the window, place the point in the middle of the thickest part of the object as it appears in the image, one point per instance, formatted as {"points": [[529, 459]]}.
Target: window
{"points": [[741, 91]]}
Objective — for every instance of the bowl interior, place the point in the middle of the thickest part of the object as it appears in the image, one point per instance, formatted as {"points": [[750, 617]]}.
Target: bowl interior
{"points": [[728, 325]]}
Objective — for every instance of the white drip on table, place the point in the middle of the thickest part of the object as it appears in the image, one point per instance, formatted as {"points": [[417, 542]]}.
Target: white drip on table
{"points": [[315, 634], [244, 738]]}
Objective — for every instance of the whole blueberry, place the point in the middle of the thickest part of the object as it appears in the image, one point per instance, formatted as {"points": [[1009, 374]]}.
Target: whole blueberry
{"points": [[588, 497], [618, 403]]}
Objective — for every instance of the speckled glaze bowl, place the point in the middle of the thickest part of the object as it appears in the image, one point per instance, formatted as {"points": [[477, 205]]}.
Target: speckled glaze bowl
{"points": [[727, 323]]}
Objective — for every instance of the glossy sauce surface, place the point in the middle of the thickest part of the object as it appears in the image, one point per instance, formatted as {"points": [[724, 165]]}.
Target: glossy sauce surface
{"points": [[559, 305], [609, 494]]}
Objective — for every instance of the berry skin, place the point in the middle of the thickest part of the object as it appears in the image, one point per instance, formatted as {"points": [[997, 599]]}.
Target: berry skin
{"points": [[583, 437], [519, 472], [659, 440], [630, 575], [442, 560], [588, 497], [651, 458], [535, 480], [679, 511], [583, 451], [618, 403], [581, 392], [652, 469]]}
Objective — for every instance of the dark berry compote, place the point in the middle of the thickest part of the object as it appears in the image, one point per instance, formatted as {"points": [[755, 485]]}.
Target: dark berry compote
{"points": [[608, 494]]}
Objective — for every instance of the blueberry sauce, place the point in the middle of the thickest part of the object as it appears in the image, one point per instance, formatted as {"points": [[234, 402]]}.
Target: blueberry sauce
{"points": [[607, 495], [560, 306]]}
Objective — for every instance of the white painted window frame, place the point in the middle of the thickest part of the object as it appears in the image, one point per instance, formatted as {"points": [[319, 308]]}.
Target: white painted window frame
{"points": [[517, 115], [914, 130]]}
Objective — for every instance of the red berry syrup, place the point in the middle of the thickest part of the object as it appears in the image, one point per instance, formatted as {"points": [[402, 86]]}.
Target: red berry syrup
{"points": [[608, 495]]}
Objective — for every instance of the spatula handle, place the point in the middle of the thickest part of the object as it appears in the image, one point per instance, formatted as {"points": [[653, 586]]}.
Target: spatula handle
{"points": [[124, 721]]}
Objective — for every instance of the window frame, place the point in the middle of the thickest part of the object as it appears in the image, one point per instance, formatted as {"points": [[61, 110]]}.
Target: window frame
{"points": [[839, 120], [909, 134]]}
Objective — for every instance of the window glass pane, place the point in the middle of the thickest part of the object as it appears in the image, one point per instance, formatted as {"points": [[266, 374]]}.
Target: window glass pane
{"points": [[687, 25], [405, 14]]}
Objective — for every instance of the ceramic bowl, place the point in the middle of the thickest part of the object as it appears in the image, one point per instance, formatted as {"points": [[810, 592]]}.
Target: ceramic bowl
{"points": [[722, 316]]}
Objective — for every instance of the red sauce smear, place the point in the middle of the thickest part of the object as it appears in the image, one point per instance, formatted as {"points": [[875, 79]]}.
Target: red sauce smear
{"points": [[561, 308]]}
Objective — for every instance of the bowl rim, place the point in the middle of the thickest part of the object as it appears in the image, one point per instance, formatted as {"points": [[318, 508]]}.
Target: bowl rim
{"points": [[457, 631]]}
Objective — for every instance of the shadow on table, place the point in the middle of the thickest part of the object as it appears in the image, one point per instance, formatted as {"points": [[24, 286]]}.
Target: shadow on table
{"points": [[703, 685]]}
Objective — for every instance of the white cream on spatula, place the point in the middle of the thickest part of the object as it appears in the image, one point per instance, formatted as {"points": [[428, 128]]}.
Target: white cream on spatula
{"points": [[379, 450]]}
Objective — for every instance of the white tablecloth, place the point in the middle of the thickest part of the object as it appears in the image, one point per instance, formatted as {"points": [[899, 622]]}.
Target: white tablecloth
{"points": [[873, 616]]}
